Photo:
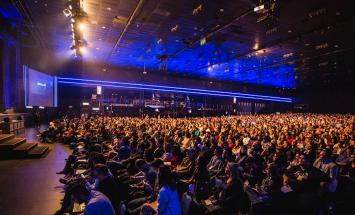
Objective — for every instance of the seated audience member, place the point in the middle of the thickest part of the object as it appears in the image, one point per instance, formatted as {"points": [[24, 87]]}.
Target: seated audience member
{"points": [[185, 169], [230, 197], [210, 159], [106, 184], [168, 198], [216, 162], [96, 202]]}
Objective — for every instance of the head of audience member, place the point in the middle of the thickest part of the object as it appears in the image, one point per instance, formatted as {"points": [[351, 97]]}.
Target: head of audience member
{"points": [[80, 193], [191, 154], [165, 177], [218, 152], [233, 172], [142, 165], [101, 172]]}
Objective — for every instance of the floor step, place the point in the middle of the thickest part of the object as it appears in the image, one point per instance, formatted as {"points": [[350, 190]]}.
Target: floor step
{"points": [[6, 137], [12, 143], [37, 151], [25, 147]]}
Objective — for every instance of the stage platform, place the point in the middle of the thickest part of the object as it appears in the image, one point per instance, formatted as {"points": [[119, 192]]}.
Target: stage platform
{"points": [[30, 186]]}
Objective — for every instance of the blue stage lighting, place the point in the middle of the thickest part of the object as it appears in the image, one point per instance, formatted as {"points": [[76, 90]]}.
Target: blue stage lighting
{"points": [[150, 87]]}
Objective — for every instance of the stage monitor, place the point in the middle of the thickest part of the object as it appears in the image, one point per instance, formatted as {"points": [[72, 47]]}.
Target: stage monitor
{"points": [[40, 88]]}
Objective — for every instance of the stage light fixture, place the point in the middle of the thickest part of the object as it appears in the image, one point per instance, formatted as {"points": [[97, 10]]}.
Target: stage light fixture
{"points": [[259, 8], [82, 50], [82, 26]]}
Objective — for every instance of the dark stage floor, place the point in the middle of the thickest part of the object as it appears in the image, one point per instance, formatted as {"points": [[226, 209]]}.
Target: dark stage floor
{"points": [[31, 186]]}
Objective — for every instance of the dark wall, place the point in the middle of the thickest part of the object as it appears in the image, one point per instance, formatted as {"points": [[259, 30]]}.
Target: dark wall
{"points": [[2, 105], [328, 99]]}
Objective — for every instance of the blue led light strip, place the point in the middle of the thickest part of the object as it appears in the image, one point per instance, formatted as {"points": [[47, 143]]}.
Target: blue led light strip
{"points": [[187, 90], [161, 88]]}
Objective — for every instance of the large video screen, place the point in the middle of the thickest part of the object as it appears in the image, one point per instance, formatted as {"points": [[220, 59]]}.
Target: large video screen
{"points": [[39, 88]]}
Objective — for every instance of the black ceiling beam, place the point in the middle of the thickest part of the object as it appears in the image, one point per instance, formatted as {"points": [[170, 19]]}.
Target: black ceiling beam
{"points": [[128, 23]]}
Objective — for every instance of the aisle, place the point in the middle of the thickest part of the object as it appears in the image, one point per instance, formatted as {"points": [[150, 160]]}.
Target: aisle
{"points": [[31, 186]]}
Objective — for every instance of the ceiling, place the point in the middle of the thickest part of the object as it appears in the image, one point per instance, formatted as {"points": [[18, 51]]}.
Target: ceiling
{"points": [[295, 43]]}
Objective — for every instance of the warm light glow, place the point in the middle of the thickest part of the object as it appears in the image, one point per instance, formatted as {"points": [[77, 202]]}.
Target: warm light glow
{"points": [[256, 46], [82, 26], [82, 50]]}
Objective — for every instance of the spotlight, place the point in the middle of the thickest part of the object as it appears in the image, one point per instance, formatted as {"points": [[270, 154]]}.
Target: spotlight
{"points": [[259, 9], [82, 50], [81, 26], [66, 12]]}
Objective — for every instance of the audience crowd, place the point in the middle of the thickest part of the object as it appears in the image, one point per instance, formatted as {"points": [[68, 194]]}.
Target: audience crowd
{"points": [[253, 164]]}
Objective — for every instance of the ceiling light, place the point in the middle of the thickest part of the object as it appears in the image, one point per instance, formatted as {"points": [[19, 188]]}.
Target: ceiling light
{"points": [[66, 12], [108, 8], [97, 48], [72, 20], [82, 50], [259, 8], [221, 10], [197, 10], [256, 46], [103, 27], [289, 31], [81, 26], [336, 46], [173, 29], [288, 55], [70, 7]]}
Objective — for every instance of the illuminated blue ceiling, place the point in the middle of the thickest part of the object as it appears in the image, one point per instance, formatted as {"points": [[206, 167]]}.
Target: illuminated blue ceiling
{"points": [[239, 47]]}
